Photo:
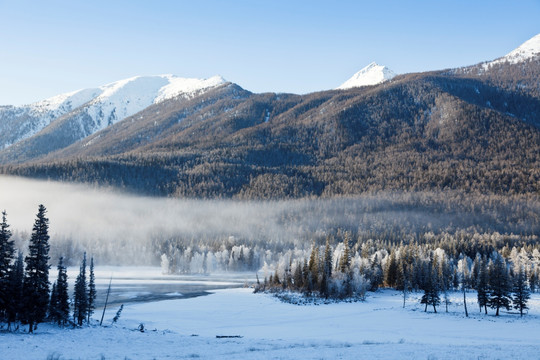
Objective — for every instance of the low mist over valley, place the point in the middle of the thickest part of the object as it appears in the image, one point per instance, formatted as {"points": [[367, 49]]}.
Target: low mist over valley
{"points": [[119, 228]]}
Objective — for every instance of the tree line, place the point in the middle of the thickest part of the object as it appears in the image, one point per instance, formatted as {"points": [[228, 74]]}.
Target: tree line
{"points": [[502, 278], [26, 296]]}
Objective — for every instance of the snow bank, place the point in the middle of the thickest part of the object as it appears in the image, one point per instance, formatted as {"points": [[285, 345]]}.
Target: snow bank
{"points": [[376, 329]]}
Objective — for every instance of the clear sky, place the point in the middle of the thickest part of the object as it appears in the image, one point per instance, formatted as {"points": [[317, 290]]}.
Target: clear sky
{"points": [[54, 46]]}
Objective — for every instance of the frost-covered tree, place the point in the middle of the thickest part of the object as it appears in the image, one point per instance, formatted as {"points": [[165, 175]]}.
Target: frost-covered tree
{"points": [[36, 278]]}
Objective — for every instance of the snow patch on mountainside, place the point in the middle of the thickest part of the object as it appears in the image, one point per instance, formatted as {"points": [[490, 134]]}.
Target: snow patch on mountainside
{"points": [[60, 104], [372, 74], [529, 49], [124, 98], [104, 105], [186, 87]]}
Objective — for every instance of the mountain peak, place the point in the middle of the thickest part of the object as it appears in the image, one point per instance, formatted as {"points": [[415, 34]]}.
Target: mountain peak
{"points": [[527, 50], [96, 108], [372, 74]]}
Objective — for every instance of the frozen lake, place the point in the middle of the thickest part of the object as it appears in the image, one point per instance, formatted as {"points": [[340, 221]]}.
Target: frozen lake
{"points": [[144, 284]]}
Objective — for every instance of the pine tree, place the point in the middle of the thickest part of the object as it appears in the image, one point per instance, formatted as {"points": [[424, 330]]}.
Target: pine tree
{"points": [[7, 252], [118, 313], [327, 271], [475, 271], [15, 298], [391, 274], [499, 285], [533, 279], [80, 295], [345, 261], [328, 259], [521, 292], [313, 266], [482, 286], [376, 273], [62, 297], [53, 304], [431, 286], [91, 290], [36, 278], [444, 274], [298, 278]]}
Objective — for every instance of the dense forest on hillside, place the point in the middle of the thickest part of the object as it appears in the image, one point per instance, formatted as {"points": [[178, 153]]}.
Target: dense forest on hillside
{"points": [[473, 129]]}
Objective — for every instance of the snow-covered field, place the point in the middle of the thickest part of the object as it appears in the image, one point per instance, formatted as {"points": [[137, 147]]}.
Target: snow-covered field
{"points": [[378, 328]]}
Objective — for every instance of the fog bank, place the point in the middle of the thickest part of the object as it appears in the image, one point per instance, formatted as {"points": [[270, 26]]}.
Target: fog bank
{"points": [[131, 228]]}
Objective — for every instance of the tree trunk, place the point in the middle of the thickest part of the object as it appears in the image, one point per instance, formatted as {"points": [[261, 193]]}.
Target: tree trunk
{"points": [[485, 309], [497, 313], [465, 303], [425, 309], [434, 308]]}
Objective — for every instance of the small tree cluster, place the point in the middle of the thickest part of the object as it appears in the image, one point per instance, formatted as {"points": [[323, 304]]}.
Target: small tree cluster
{"points": [[322, 275], [25, 294]]}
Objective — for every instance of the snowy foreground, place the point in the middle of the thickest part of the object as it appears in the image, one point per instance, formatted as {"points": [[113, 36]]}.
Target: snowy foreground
{"points": [[378, 328]]}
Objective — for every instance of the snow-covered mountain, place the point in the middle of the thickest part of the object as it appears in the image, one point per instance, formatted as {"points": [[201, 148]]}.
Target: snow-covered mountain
{"points": [[124, 98], [528, 50], [372, 74], [97, 108]]}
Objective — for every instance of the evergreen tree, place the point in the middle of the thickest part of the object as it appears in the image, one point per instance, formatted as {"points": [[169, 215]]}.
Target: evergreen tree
{"points": [[328, 259], [499, 285], [376, 273], [15, 287], [431, 286], [313, 266], [53, 304], [62, 297], [7, 252], [327, 271], [475, 271], [298, 278], [482, 285], [533, 279], [91, 290], [80, 295], [391, 274], [444, 277], [36, 278], [521, 291], [345, 261]]}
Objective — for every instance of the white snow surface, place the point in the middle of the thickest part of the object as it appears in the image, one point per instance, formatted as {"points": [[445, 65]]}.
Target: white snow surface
{"points": [[529, 49], [378, 328], [372, 74]]}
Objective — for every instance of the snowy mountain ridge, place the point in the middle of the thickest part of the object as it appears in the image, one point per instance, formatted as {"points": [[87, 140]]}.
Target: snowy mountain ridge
{"points": [[124, 98], [372, 74], [98, 107], [528, 50]]}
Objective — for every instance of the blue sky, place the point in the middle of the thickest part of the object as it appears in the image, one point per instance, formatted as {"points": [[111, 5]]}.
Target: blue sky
{"points": [[49, 47]]}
